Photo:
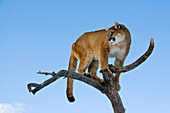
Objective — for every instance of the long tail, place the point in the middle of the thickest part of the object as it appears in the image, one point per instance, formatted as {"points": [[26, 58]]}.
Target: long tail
{"points": [[72, 67]]}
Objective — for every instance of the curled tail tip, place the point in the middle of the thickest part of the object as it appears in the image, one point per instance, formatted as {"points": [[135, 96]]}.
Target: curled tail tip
{"points": [[71, 99]]}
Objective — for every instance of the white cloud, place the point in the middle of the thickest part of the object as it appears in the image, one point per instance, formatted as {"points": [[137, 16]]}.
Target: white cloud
{"points": [[12, 108]]}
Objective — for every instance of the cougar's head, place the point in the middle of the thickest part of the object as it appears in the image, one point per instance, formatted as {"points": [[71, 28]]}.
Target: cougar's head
{"points": [[115, 34]]}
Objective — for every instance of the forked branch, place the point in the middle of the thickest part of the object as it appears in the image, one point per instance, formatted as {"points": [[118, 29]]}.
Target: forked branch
{"points": [[108, 88], [115, 69]]}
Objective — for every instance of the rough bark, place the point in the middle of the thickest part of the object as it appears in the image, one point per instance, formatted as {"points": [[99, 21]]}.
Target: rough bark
{"points": [[64, 73], [108, 88]]}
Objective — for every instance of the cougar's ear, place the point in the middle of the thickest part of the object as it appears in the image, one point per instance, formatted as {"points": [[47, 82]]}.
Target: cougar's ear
{"points": [[117, 26], [107, 29]]}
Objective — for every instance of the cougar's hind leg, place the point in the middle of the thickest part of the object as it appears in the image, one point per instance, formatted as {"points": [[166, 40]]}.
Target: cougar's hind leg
{"points": [[85, 61], [92, 69]]}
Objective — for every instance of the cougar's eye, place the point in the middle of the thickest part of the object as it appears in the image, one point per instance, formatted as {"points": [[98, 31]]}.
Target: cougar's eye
{"points": [[111, 33]]}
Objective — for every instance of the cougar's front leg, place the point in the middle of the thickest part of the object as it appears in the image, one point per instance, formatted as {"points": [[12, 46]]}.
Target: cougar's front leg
{"points": [[103, 58], [118, 63]]}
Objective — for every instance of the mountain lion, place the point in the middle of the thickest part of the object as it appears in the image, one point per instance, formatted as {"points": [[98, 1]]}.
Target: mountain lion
{"points": [[96, 47]]}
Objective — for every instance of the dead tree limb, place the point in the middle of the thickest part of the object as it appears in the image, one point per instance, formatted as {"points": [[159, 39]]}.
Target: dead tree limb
{"points": [[115, 69], [109, 88], [64, 73]]}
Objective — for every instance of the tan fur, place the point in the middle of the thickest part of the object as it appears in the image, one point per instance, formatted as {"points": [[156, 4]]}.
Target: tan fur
{"points": [[96, 47]]}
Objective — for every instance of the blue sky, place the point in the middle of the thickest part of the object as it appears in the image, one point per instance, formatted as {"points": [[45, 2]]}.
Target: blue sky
{"points": [[37, 35]]}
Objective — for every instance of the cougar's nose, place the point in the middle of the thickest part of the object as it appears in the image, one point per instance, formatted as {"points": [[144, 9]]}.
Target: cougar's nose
{"points": [[114, 38]]}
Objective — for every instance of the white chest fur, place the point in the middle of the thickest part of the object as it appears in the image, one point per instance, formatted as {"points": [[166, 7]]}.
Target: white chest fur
{"points": [[116, 51]]}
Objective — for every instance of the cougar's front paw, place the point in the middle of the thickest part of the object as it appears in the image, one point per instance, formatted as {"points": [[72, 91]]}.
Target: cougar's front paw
{"points": [[102, 82], [87, 75]]}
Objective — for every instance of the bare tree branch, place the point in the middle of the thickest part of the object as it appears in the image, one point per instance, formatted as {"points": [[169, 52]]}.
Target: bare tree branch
{"points": [[109, 88], [116, 69], [64, 73], [112, 93]]}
